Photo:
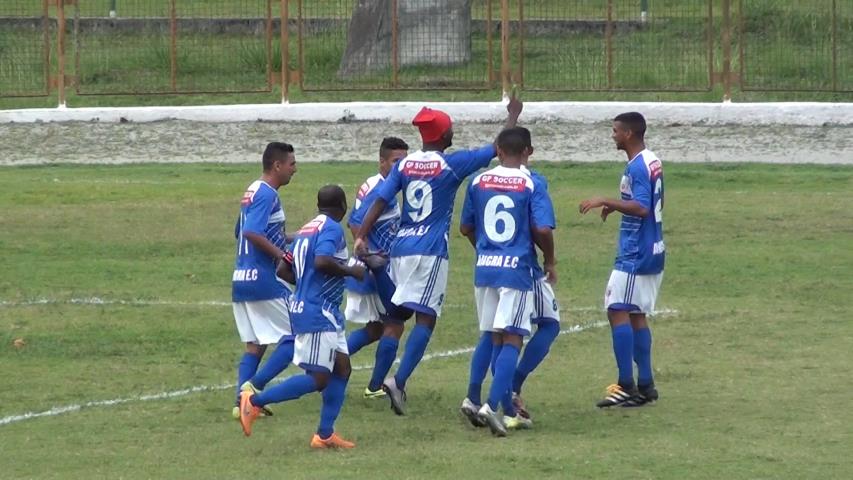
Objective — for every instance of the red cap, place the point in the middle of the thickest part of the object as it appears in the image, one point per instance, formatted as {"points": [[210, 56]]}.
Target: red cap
{"points": [[432, 124]]}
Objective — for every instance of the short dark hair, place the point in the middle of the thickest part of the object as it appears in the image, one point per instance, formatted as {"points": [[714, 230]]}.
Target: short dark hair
{"points": [[391, 143], [275, 151], [514, 140], [331, 196], [634, 121]]}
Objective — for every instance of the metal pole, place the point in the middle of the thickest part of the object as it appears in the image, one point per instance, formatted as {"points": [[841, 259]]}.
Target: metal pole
{"points": [[268, 44], [300, 49], [505, 47], [60, 51], [608, 43], [727, 51], [710, 27], [395, 53], [112, 8], [173, 47], [521, 33], [644, 10], [285, 52], [489, 42], [834, 46]]}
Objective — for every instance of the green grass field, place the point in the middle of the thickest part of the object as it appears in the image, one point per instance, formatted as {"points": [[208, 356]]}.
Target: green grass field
{"points": [[749, 357]]}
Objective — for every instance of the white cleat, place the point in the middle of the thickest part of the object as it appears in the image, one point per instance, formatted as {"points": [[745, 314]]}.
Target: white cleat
{"points": [[470, 410], [493, 420], [395, 395]]}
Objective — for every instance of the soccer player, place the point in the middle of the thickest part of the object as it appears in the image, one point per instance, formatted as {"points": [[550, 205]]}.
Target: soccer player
{"points": [[369, 301], [636, 277], [502, 217], [546, 313], [428, 179], [259, 297], [318, 268]]}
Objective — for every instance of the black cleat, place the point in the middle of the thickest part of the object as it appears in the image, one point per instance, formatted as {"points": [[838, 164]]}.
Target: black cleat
{"points": [[616, 396], [645, 396]]}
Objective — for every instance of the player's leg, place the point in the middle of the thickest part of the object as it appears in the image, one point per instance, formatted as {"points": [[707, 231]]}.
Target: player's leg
{"points": [[277, 321], [363, 309], [248, 364], [618, 300], [546, 315], [364, 336], [386, 353], [423, 293], [333, 400], [486, 300], [647, 290]]}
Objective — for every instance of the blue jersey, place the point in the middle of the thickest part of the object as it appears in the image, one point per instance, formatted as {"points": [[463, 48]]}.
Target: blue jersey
{"points": [[503, 204], [381, 236], [545, 215], [429, 181], [641, 247], [315, 306], [254, 276]]}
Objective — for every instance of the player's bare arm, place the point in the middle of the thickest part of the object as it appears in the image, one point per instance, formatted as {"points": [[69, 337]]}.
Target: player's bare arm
{"points": [[370, 219], [260, 241], [285, 272], [628, 207], [468, 232], [513, 109], [543, 237], [330, 266]]}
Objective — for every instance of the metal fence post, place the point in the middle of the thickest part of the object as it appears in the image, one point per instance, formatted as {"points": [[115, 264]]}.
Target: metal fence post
{"points": [[727, 51], [834, 46], [608, 43], [521, 33], [490, 64], [173, 46], [60, 51], [285, 51], [505, 85], [395, 39]]}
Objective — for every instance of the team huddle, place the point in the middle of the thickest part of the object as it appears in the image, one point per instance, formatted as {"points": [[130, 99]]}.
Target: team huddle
{"points": [[287, 289]]}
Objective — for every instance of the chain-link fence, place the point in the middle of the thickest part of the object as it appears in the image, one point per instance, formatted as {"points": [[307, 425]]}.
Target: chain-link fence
{"points": [[24, 48], [111, 47]]}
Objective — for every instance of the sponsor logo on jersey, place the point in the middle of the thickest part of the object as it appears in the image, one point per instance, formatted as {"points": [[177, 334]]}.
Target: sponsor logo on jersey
{"points": [[311, 227], [625, 186], [247, 198], [427, 168], [506, 184], [655, 169]]}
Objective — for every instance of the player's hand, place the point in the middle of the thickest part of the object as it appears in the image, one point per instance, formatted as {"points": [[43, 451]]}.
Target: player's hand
{"points": [[375, 261], [358, 272], [360, 247], [605, 211], [590, 204], [550, 273], [515, 105]]}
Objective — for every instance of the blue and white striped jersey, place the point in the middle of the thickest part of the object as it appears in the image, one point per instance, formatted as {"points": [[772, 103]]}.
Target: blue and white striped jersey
{"points": [[641, 248]]}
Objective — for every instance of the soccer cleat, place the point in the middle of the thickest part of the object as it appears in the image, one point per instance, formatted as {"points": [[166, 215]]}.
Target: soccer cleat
{"points": [[248, 386], [517, 422], [616, 396], [518, 403], [470, 410], [235, 412], [646, 396], [396, 395], [248, 412], [334, 441], [493, 420], [368, 393]]}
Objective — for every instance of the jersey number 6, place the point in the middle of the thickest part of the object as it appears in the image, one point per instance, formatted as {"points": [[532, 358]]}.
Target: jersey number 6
{"points": [[491, 217]]}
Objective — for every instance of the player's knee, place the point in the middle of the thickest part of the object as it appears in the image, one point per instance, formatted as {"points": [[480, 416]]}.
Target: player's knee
{"points": [[321, 379], [255, 349], [618, 317], [393, 330], [425, 320], [374, 331], [343, 367]]}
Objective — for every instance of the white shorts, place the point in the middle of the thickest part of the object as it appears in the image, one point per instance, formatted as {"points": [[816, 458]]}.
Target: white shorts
{"points": [[263, 322], [545, 307], [363, 308], [504, 309], [421, 282], [316, 351], [632, 293]]}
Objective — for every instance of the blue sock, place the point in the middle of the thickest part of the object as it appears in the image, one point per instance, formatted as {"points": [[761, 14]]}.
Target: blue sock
{"points": [[506, 404], [357, 340], [386, 352], [415, 347], [245, 369], [333, 399], [535, 351], [480, 360], [290, 389], [623, 349], [278, 361], [643, 356], [504, 369], [496, 350]]}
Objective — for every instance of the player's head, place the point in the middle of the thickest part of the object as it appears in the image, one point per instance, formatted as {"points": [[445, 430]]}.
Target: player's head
{"points": [[436, 128], [332, 201], [628, 129], [280, 161], [391, 150], [513, 144]]}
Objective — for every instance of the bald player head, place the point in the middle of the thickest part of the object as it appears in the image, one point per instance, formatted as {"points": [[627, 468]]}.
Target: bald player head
{"points": [[332, 201]]}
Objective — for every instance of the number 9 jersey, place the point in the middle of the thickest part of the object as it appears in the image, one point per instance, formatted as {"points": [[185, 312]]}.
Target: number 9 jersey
{"points": [[503, 205], [641, 247]]}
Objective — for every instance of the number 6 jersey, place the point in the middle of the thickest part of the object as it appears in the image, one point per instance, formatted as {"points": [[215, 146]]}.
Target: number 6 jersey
{"points": [[641, 247], [503, 205]]}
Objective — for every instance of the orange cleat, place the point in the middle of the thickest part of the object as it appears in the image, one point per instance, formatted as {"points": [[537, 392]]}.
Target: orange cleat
{"points": [[248, 412], [334, 441]]}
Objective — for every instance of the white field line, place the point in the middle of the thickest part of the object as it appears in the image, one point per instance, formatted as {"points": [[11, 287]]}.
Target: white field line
{"points": [[225, 386], [218, 303]]}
